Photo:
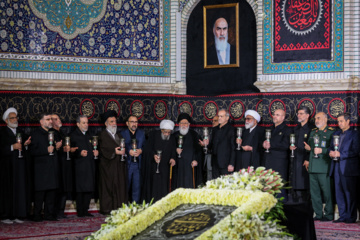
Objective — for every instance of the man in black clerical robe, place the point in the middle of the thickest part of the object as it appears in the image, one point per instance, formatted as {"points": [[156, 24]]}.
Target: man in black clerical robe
{"points": [[14, 171], [278, 157], [112, 170], [298, 175], [84, 166], [250, 153], [188, 170], [65, 169], [156, 184], [46, 169]]}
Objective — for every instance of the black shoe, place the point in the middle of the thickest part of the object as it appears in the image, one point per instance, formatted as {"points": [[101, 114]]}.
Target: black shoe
{"points": [[350, 221], [61, 216], [338, 221], [325, 220], [37, 219], [317, 219], [88, 215], [81, 215], [50, 218]]}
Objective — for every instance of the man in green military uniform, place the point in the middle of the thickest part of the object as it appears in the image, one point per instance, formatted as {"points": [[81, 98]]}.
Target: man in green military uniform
{"points": [[318, 167]]}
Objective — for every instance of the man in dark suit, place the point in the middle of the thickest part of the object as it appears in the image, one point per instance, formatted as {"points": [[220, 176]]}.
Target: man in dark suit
{"points": [[221, 52], [278, 156], [299, 177], [112, 170], [222, 146], [14, 174], [46, 171], [84, 166], [134, 156], [250, 153], [65, 169], [345, 169]]}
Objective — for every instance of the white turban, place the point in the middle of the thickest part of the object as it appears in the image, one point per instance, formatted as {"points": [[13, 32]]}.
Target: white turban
{"points": [[167, 124], [7, 112], [254, 114]]}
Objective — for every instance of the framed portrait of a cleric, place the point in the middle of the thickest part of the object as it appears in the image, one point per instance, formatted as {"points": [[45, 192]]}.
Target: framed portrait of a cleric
{"points": [[221, 35]]}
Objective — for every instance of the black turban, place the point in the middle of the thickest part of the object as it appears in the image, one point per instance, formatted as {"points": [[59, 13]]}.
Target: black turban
{"points": [[107, 114], [184, 116]]}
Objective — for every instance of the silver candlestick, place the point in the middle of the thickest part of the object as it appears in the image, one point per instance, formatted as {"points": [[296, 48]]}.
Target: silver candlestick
{"points": [[180, 143], [19, 140], [159, 152], [336, 141], [95, 143], [122, 147], [267, 137], [292, 143], [238, 134], [206, 136], [316, 143], [67, 144], [51, 140]]}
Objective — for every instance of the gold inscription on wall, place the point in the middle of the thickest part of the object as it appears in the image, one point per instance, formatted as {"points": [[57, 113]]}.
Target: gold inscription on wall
{"points": [[189, 223], [336, 108], [236, 109], [137, 109], [186, 108], [160, 110], [87, 108], [210, 110]]}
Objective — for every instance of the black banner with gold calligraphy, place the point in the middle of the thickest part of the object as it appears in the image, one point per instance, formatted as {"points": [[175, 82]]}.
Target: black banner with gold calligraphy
{"points": [[152, 108], [302, 30]]}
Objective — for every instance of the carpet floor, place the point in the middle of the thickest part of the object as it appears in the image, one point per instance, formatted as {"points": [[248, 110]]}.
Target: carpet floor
{"points": [[74, 227], [337, 231]]}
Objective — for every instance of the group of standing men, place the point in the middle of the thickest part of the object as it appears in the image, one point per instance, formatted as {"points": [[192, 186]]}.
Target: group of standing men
{"points": [[131, 168], [316, 162]]}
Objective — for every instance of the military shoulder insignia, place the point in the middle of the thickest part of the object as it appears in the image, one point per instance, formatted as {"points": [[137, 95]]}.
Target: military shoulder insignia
{"points": [[314, 129], [331, 128]]}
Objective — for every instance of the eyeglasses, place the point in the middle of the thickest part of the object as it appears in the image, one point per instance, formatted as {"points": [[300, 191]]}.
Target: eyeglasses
{"points": [[166, 131], [14, 118], [248, 119], [135, 122]]}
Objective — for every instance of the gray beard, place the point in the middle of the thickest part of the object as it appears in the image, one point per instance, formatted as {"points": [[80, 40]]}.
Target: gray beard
{"points": [[221, 45], [248, 125], [183, 131], [13, 125], [112, 129], [165, 138]]}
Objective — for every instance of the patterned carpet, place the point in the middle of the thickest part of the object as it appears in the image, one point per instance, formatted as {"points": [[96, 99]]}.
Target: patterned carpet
{"points": [[78, 228], [337, 231], [72, 227]]}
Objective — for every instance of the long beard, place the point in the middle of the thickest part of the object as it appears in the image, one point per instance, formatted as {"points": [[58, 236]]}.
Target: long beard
{"points": [[221, 44], [112, 129], [13, 125], [165, 137], [184, 131]]}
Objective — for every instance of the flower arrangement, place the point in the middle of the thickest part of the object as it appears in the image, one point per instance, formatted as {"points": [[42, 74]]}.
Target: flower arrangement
{"points": [[250, 190], [262, 179]]}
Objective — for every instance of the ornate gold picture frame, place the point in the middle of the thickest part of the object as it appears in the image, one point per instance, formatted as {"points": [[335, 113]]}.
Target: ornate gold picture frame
{"points": [[221, 35]]}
